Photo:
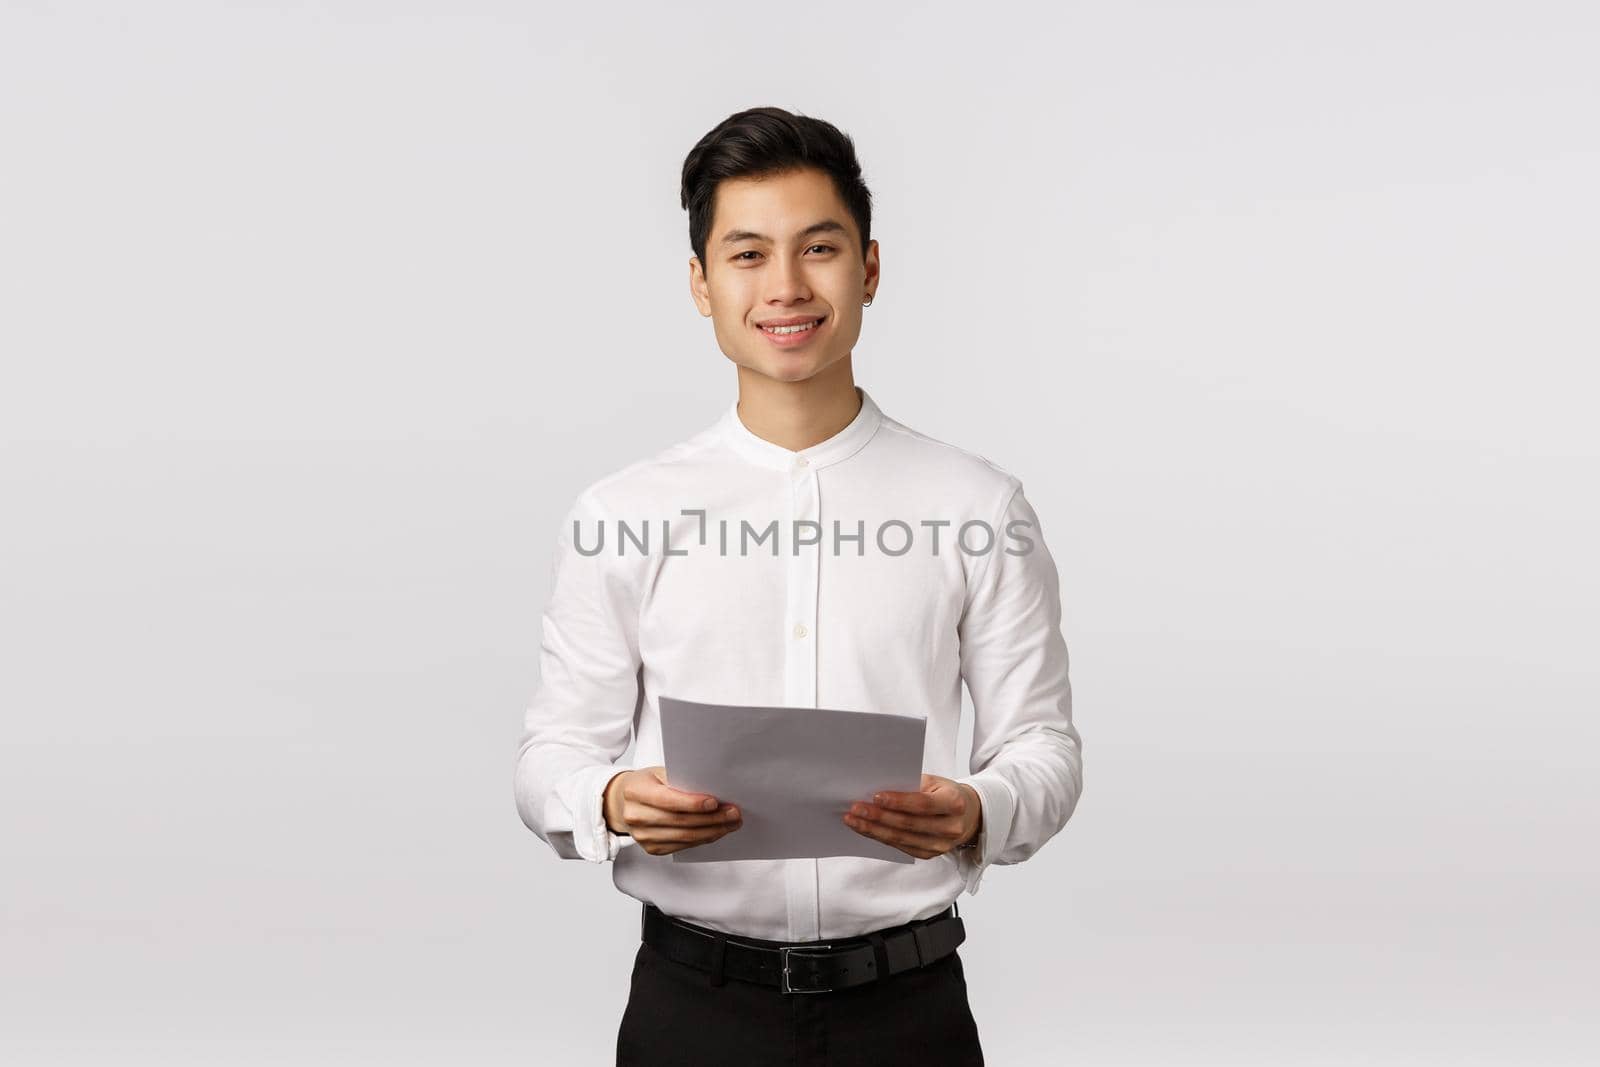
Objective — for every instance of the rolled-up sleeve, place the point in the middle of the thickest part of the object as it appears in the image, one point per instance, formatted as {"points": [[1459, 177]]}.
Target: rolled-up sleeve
{"points": [[1027, 762], [582, 713]]}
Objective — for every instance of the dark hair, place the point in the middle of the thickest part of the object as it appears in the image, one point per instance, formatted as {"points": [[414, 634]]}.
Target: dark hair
{"points": [[765, 141]]}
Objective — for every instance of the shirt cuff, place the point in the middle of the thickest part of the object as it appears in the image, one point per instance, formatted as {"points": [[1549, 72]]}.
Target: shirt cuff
{"points": [[583, 793], [998, 806]]}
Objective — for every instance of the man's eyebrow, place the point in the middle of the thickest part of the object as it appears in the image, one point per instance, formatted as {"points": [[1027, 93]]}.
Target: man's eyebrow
{"points": [[825, 226]]}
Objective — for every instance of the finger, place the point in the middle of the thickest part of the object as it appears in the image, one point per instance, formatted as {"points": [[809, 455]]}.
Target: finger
{"points": [[926, 825], [901, 839], [680, 799], [645, 815], [916, 803], [689, 835], [662, 848], [669, 799]]}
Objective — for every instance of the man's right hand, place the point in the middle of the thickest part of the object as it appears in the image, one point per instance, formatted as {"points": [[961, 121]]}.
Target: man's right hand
{"points": [[641, 804]]}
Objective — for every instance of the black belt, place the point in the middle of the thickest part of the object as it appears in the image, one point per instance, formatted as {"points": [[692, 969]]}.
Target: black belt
{"points": [[805, 966]]}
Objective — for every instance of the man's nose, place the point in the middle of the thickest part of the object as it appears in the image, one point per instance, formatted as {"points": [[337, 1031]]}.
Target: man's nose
{"points": [[787, 282]]}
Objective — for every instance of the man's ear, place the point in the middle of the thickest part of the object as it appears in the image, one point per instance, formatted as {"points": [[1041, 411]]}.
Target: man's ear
{"points": [[872, 264], [699, 291]]}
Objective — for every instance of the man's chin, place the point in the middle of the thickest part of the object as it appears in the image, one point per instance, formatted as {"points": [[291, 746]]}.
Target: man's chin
{"points": [[794, 369]]}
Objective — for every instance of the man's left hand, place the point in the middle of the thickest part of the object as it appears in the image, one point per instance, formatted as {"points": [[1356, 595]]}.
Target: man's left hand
{"points": [[925, 824]]}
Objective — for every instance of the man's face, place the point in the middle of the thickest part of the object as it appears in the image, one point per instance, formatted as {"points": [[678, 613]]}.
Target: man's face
{"points": [[783, 249]]}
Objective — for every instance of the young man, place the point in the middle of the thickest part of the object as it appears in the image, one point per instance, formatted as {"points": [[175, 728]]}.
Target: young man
{"points": [[805, 550]]}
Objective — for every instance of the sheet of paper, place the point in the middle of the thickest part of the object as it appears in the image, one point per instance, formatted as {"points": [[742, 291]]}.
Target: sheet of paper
{"points": [[793, 772]]}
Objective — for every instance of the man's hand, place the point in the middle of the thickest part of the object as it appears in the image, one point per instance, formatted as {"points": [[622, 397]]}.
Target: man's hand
{"points": [[929, 823], [662, 819]]}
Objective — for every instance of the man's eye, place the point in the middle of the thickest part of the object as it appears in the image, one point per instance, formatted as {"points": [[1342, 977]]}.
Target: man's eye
{"points": [[753, 252]]}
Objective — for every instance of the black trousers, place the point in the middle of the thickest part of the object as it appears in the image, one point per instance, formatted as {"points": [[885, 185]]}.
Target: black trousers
{"points": [[676, 1018]]}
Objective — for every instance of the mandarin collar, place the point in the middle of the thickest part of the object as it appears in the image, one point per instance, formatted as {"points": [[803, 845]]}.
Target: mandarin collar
{"points": [[842, 445]]}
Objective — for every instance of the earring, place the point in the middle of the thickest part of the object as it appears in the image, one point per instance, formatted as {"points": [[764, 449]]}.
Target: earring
{"points": [[868, 302]]}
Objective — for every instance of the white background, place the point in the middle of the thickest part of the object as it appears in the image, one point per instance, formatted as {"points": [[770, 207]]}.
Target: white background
{"points": [[315, 317]]}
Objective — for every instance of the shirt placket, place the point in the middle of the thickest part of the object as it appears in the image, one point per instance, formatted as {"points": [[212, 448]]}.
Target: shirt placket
{"points": [[800, 665]]}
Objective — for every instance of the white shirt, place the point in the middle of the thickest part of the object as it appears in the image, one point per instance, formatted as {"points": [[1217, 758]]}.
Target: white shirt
{"points": [[703, 607]]}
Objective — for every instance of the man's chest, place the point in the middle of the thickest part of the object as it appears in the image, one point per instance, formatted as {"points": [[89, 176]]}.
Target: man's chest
{"points": [[758, 604]]}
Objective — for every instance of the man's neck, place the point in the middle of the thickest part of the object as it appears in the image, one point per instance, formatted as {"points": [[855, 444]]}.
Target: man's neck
{"points": [[797, 415]]}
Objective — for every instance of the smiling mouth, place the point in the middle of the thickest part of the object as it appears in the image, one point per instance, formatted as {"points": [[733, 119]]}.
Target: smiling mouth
{"points": [[785, 331]]}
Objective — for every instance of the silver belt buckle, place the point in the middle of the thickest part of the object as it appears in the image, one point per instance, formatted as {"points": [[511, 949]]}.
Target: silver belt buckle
{"points": [[784, 951]]}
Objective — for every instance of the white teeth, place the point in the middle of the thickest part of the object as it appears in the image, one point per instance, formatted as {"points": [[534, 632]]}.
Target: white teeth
{"points": [[792, 329]]}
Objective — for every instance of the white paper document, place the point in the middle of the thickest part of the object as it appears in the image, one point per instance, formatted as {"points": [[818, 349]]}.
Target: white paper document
{"points": [[792, 772]]}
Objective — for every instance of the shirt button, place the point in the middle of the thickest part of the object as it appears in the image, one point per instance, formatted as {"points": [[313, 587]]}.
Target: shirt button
{"points": [[801, 461], [799, 629]]}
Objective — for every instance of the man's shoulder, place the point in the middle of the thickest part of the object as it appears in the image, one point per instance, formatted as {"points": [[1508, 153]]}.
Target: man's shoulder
{"points": [[643, 483], [954, 469]]}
